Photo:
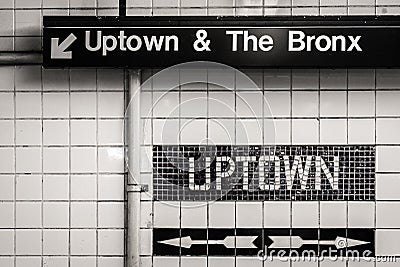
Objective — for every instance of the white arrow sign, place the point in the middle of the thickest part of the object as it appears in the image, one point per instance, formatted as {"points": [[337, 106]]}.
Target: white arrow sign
{"points": [[297, 242], [58, 50], [228, 242]]}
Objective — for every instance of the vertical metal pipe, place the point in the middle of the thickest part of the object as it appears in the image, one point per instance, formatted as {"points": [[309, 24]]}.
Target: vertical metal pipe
{"points": [[133, 139]]}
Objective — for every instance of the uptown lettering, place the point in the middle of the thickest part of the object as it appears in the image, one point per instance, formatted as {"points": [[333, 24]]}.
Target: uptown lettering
{"points": [[299, 170], [122, 42]]}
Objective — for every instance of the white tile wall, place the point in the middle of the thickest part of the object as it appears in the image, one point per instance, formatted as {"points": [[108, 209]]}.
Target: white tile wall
{"points": [[54, 196], [61, 172]]}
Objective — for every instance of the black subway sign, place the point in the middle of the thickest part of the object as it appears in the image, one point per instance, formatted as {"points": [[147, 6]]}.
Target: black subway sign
{"points": [[140, 42], [281, 172]]}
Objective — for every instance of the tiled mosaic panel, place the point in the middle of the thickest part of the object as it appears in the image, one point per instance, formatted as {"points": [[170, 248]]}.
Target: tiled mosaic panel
{"points": [[291, 172], [319, 238]]}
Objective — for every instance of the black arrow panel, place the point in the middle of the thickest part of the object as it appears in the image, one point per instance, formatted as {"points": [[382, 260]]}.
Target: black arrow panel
{"points": [[263, 242]]}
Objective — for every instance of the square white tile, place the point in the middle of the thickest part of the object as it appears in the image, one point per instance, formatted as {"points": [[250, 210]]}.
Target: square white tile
{"points": [[83, 160], [8, 160], [111, 215], [277, 131], [7, 243], [28, 78], [386, 130], [28, 187], [83, 242], [7, 186], [110, 79], [7, 105], [361, 103], [277, 214], [55, 215], [333, 214], [361, 79], [55, 79], [221, 131], [56, 160], [193, 131], [361, 214], [385, 160], [146, 214], [7, 77], [146, 237], [110, 132], [165, 104], [249, 104], [333, 104], [111, 159], [277, 104], [111, 104], [82, 79], [361, 131], [305, 214], [55, 105], [83, 104], [55, 242], [83, 132], [55, 132], [166, 214], [333, 131], [387, 215], [111, 242], [28, 105], [387, 242], [305, 78], [111, 187], [79, 261], [249, 131], [55, 187], [221, 104], [387, 103], [83, 187], [83, 214], [28, 160], [249, 214], [333, 78], [305, 104], [221, 215], [305, 131], [193, 104], [7, 212], [194, 215], [387, 187], [221, 261], [56, 261], [28, 242], [7, 132], [28, 215]]}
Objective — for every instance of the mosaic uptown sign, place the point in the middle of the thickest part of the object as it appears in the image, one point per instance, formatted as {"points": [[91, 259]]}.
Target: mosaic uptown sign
{"points": [[264, 173], [141, 42]]}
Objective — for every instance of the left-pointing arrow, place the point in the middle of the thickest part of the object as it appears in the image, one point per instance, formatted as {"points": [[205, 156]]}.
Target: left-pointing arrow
{"points": [[58, 50], [228, 242]]}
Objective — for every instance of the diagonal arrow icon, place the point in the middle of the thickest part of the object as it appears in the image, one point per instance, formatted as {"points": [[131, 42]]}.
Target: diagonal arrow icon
{"points": [[297, 242], [228, 242], [58, 50]]}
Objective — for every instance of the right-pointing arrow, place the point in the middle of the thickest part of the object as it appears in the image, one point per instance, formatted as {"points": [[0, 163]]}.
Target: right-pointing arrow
{"points": [[297, 242], [58, 50]]}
